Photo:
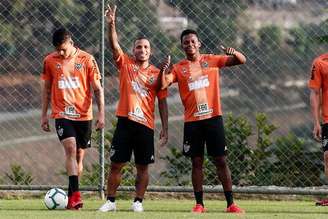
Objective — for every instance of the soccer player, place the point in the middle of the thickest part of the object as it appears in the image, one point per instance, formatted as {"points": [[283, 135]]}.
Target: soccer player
{"points": [[139, 86], [70, 75], [198, 81], [318, 85]]}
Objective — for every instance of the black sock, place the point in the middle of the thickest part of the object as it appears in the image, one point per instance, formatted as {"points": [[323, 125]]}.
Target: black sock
{"points": [[137, 199], [199, 197], [229, 197], [111, 199], [69, 190], [73, 183]]}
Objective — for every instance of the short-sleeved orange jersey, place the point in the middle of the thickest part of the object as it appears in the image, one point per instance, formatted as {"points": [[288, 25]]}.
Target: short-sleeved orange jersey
{"points": [[138, 90], [319, 80], [198, 83], [71, 94]]}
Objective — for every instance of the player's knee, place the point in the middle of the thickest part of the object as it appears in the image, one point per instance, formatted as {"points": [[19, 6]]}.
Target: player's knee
{"points": [[116, 167], [71, 151], [142, 168], [197, 162], [220, 162]]}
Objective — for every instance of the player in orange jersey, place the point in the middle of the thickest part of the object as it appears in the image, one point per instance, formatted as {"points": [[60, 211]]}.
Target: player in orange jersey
{"points": [[139, 87], [318, 84], [198, 79], [70, 75]]}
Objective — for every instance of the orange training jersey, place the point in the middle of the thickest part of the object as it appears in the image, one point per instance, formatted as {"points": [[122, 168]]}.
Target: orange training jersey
{"points": [[71, 78], [319, 80], [138, 89], [198, 83]]}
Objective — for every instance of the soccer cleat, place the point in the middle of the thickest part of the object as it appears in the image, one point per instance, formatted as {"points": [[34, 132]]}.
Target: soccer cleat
{"points": [[233, 208], [75, 201], [323, 202], [198, 209], [108, 206], [137, 206]]}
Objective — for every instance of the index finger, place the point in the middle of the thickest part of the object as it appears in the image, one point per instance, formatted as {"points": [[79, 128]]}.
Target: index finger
{"points": [[223, 47]]}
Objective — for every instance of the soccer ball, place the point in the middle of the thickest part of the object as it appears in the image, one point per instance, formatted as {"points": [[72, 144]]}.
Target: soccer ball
{"points": [[55, 198]]}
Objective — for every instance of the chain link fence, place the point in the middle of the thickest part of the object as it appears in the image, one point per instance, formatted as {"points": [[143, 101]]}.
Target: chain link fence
{"points": [[265, 102]]}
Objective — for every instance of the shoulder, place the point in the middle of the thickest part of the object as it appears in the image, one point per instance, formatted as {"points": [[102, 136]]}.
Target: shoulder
{"points": [[84, 55], [153, 69], [180, 64], [51, 57], [212, 56]]}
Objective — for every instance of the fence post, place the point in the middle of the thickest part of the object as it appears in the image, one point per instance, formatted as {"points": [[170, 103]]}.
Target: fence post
{"points": [[101, 140]]}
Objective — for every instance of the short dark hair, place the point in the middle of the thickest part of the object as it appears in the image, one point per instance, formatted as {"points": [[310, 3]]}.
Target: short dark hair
{"points": [[142, 37], [60, 36], [186, 32]]}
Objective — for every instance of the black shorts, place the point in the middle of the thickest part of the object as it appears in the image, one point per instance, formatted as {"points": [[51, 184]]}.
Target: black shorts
{"points": [[80, 130], [132, 136], [207, 131], [324, 137]]}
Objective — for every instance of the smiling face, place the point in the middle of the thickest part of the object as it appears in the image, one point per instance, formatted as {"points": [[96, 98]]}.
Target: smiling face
{"points": [[190, 45], [141, 50]]}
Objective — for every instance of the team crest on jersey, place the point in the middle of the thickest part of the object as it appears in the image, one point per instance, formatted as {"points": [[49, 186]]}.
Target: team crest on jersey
{"points": [[204, 64], [58, 66], [78, 66], [151, 80]]}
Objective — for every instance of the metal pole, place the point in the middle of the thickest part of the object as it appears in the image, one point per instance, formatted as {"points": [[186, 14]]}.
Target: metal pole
{"points": [[102, 135]]}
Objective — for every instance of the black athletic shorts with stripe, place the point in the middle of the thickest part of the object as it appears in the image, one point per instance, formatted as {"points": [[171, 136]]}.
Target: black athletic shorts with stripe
{"points": [[209, 132], [130, 136], [80, 130]]}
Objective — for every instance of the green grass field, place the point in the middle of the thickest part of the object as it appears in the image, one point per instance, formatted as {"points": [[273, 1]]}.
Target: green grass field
{"points": [[168, 209]]}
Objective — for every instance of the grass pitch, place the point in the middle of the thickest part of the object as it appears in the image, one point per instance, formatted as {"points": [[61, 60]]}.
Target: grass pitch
{"points": [[167, 208]]}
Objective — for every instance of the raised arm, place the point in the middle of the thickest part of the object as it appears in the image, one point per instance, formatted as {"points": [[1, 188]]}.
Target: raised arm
{"points": [[112, 35], [315, 108], [235, 57]]}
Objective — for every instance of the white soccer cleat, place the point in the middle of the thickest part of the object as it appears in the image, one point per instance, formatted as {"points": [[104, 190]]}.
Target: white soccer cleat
{"points": [[108, 206], [137, 206]]}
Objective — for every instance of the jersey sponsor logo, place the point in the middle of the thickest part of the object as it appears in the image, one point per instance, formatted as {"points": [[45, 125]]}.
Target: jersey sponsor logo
{"points": [[201, 82], [203, 110], [137, 114], [69, 83], [184, 71], [78, 66], [139, 89], [70, 112], [135, 68]]}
